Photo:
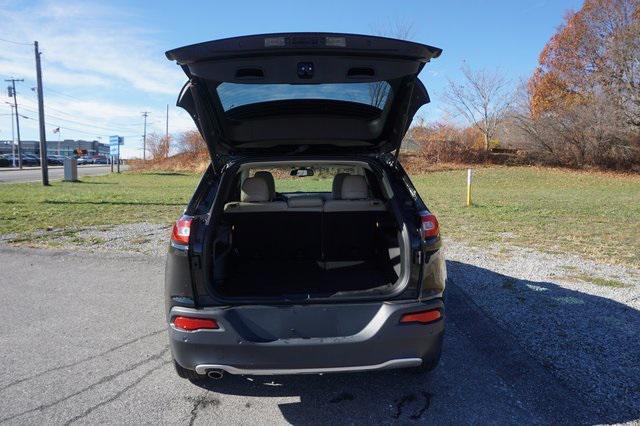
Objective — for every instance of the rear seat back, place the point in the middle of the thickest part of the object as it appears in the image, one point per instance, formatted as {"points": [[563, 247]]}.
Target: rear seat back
{"points": [[304, 228], [354, 196], [336, 187], [349, 224], [271, 183], [257, 235], [255, 197], [305, 204]]}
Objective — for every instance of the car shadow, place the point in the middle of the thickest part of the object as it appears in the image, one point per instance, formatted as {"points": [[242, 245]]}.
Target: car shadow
{"points": [[522, 351]]}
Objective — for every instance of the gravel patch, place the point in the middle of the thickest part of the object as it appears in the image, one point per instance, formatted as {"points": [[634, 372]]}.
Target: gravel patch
{"points": [[581, 329], [145, 238]]}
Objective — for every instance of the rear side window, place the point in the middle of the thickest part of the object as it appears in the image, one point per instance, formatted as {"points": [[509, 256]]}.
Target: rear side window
{"points": [[234, 95]]}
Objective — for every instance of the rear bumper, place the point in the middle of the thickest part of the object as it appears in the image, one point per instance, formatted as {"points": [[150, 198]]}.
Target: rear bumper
{"points": [[394, 363], [306, 339]]}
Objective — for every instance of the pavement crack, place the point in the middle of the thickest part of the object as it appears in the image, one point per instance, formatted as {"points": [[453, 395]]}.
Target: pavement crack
{"points": [[402, 402], [408, 399], [116, 395], [425, 406], [91, 386], [199, 403], [80, 361]]}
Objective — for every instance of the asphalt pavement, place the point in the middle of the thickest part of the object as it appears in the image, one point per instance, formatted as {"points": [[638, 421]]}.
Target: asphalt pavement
{"points": [[33, 174], [83, 340]]}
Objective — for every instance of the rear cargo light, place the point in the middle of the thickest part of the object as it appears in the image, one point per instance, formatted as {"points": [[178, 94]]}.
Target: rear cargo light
{"points": [[429, 227], [181, 230], [191, 324], [423, 317]]}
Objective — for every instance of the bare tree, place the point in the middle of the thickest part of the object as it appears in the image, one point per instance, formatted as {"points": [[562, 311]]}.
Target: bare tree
{"points": [[192, 144], [482, 98], [400, 29], [396, 28], [158, 146]]}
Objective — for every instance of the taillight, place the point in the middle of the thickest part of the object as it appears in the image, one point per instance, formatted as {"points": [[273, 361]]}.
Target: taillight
{"points": [[192, 324], [429, 225], [181, 230], [422, 317]]}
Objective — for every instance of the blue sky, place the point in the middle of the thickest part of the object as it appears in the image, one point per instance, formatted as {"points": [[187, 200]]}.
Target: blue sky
{"points": [[104, 62]]}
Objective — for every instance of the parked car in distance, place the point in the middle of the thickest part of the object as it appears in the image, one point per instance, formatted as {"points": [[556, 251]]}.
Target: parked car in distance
{"points": [[28, 160], [341, 274], [35, 159], [55, 160], [5, 162], [100, 159], [84, 160]]}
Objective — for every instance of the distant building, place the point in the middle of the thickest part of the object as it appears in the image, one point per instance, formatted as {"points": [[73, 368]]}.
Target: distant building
{"points": [[64, 147]]}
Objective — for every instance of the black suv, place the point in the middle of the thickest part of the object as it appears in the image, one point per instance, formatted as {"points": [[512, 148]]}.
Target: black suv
{"points": [[305, 248]]}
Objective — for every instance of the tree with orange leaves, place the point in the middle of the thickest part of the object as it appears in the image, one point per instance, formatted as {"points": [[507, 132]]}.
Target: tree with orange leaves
{"points": [[584, 96], [595, 53]]}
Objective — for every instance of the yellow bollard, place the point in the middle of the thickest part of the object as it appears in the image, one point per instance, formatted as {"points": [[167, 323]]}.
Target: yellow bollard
{"points": [[469, 174]]}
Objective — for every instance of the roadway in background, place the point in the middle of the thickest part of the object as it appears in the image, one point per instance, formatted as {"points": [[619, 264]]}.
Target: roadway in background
{"points": [[33, 174]]}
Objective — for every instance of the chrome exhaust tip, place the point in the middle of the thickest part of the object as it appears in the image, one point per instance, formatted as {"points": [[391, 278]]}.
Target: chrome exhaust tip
{"points": [[215, 374]]}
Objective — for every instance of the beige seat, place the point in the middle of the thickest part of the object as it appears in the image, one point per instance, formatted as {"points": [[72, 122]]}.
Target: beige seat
{"points": [[271, 183], [305, 204], [354, 197], [255, 197], [336, 187]]}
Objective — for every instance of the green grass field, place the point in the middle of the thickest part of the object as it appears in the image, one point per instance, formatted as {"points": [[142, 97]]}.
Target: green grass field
{"points": [[592, 214], [100, 200]]}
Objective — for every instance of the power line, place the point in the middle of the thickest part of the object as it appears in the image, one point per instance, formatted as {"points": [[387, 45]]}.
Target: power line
{"points": [[108, 129], [74, 129], [15, 42], [84, 100], [64, 94]]}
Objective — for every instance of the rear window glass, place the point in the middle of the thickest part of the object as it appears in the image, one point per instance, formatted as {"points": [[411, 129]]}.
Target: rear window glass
{"points": [[234, 95], [321, 181]]}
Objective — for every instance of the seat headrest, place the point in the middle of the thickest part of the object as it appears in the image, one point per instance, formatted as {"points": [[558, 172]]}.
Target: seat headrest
{"points": [[254, 190], [271, 183], [336, 188], [354, 187]]}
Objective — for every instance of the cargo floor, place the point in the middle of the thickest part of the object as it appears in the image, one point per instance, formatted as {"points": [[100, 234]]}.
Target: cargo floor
{"points": [[276, 278]]}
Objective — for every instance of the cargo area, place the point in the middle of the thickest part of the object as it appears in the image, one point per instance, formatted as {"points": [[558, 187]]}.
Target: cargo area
{"points": [[302, 245]]}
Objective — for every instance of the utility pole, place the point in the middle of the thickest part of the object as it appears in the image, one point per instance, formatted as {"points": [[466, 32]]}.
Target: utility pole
{"points": [[44, 167], [166, 132], [12, 92], [145, 114]]}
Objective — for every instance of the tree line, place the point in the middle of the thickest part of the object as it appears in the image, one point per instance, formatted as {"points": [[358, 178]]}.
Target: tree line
{"points": [[581, 106]]}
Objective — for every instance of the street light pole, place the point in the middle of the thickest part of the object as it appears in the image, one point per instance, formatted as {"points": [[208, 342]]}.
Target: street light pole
{"points": [[13, 138], [145, 114], [15, 106]]}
